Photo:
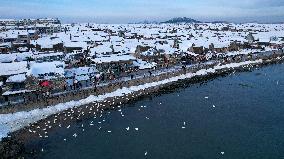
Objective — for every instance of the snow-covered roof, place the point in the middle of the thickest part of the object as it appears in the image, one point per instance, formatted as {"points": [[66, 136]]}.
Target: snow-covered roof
{"points": [[5, 44], [80, 71], [100, 49], [45, 68], [47, 42], [113, 58], [264, 40], [13, 68], [71, 44], [16, 78], [42, 55]]}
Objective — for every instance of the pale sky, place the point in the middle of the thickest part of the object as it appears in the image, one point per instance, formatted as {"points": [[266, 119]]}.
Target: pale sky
{"points": [[125, 11]]}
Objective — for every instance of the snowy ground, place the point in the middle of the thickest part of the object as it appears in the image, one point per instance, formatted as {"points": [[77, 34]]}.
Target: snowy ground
{"points": [[16, 121]]}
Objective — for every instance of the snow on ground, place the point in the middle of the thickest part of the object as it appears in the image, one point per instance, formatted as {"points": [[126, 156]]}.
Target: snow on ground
{"points": [[16, 92], [16, 121]]}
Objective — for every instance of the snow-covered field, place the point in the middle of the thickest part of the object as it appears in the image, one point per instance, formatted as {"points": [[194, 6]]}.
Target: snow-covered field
{"points": [[16, 121]]}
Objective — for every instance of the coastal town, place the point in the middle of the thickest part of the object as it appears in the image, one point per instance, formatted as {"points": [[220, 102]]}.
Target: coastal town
{"points": [[51, 70], [47, 57]]}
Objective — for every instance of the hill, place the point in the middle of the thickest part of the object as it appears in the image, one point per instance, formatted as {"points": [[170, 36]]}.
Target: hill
{"points": [[182, 20]]}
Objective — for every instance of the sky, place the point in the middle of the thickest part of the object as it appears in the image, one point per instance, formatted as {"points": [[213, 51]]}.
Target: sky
{"points": [[130, 11]]}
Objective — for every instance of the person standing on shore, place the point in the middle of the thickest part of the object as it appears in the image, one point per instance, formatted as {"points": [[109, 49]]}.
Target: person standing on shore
{"points": [[75, 84]]}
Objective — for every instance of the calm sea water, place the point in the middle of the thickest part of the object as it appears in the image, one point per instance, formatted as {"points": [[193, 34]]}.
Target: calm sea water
{"points": [[246, 122]]}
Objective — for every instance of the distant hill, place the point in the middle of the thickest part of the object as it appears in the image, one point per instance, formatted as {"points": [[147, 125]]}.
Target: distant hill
{"points": [[182, 20], [214, 22]]}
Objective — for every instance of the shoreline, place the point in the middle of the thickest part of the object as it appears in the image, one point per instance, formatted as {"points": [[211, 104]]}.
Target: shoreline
{"points": [[74, 114]]}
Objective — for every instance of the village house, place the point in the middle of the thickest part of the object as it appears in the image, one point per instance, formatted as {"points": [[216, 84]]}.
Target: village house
{"points": [[277, 43], [219, 47], [15, 83], [12, 77], [114, 65], [159, 57], [8, 22], [100, 50], [51, 73], [263, 42], [70, 47], [23, 37], [197, 49], [48, 28], [8, 37], [82, 76], [235, 46], [5, 47], [48, 44], [48, 56], [250, 38]]}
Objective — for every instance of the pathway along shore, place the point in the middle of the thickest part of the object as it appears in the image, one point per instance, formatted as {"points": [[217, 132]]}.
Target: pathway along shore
{"points": [[14, 145]]}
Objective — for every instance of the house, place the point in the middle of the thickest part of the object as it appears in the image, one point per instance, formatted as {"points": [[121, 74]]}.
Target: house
{"points": [[5, 47], [250, 38], [48, 28], [15, 57], [33, 34], [2, 28], [53, 28], [219, 47], [12, 68], [235, 46], [15, 83], [46, 70], [8, 22], [197, 49], [100, 50], [188, 58], [75, 59], [12, 77], [8, 37], [48, 56], [49, 72], [23, 37], [161, 57], [114, 64], [74, 46], [48, 21], [84, 75], [263, 42], [140, 49], [48, 44]]}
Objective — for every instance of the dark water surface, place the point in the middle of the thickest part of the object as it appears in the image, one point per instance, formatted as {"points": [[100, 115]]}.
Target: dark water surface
{"points": [[246, 122]]}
